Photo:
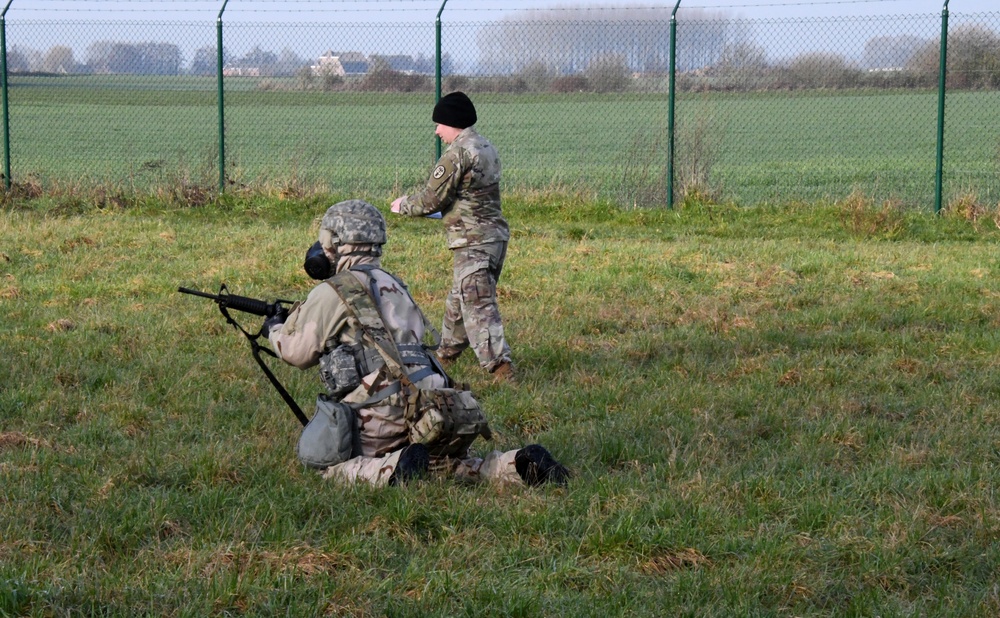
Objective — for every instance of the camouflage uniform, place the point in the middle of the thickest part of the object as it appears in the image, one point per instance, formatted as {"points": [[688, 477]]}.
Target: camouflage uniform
{"points": [[323, 321], [465, 188]]}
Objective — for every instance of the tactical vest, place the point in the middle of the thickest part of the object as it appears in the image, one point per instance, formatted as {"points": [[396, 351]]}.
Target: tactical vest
{"points": [[446, 420]]}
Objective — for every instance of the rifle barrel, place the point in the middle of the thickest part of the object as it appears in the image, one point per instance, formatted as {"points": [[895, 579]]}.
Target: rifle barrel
{"points": [[197, 293]]}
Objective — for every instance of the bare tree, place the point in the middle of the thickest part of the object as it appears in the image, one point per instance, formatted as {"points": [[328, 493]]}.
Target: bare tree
{"points": [[608, 73], [973, 58], [891, 52], [144, 58], [59, 59], [568, 40], [205, 60], [19, 59], [289, 63], [537, 76], [819, 70], [742, 66]]}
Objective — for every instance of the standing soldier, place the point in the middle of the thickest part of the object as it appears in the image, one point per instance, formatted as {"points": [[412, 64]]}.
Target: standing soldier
{"points": [[464, 187]]}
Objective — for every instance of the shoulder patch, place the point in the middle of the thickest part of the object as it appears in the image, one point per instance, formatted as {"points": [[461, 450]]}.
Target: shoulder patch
{"points": [[438, 172]]}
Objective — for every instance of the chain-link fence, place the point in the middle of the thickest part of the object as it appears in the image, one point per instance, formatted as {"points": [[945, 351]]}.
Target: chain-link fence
{"points": [[808, 109], [574, 99]]}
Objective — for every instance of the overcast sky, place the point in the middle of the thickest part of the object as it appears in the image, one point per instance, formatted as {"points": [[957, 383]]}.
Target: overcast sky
{"points": [[460, 10], [360, 25]]}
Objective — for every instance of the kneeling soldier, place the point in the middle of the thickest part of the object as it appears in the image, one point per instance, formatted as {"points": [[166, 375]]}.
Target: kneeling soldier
{"points": [[390, 406]]}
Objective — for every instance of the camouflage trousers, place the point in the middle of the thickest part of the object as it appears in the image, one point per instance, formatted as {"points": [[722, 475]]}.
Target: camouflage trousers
{"points": [[496, 466], [471, 314]]}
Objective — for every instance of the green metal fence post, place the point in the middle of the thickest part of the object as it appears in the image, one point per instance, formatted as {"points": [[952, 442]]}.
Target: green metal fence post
{"points": [[942, 74], [437, 65], [6, 110], [670, 106], [222, 106]]}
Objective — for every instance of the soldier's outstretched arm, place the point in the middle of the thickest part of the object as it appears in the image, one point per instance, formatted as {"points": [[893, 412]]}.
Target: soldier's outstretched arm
{"points": [[440, 190]]}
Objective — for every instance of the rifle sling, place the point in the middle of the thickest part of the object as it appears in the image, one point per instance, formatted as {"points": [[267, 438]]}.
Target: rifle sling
{"points": [[296, 410], [428, 327], [256, 348]]}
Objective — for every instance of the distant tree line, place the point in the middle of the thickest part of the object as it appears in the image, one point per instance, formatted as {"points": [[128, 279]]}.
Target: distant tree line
{"points": [[152, 58], [573, 56], [902, 61], [712, 54], [145, 58], [568, 41]]}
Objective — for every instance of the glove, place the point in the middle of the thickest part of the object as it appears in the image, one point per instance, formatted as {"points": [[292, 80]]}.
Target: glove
{"points": [[275, 321]]}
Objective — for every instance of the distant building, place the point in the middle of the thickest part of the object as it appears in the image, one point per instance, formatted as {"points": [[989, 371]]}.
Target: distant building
{"points": [[241, 71], [342, 64]]}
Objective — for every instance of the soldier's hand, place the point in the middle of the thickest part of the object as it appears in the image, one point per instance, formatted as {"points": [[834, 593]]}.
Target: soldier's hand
{"points": [[275, 321], [396, 204]]}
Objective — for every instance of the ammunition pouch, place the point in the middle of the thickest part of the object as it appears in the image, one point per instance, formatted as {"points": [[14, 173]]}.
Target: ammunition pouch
{"points": [[445, 420], [341, 368], [339, 372]]}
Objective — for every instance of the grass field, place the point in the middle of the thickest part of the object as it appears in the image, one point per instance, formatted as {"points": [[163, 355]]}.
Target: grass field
{"points": [[779, 411], [749, 148]]}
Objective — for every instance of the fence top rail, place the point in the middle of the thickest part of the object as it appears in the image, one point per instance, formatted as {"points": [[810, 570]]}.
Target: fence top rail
{"points": [[429, 8]]}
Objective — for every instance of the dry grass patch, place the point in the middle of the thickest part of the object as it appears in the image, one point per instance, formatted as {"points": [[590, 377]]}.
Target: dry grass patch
{"points": [[16, 439], [860, 216], [10, 292], [674, 560], [246, 561], [774, 275], [80, 241], [60, 325], [719, 320], [791, 377], [967, 207], [28, 190]]}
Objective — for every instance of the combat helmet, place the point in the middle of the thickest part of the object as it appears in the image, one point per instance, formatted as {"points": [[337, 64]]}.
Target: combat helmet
{"points": [[352, 227], [352, 222]]}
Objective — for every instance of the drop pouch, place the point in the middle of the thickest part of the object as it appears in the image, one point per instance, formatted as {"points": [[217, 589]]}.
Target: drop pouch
{"points": [[330, 437]]}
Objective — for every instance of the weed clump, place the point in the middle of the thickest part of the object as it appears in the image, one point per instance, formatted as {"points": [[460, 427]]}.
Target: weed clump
{"points": [[20, 191], [861, 216], [967, 207]]}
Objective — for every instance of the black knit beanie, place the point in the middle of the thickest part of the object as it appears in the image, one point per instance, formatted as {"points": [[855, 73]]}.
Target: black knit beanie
{"points": [[455, 110]]}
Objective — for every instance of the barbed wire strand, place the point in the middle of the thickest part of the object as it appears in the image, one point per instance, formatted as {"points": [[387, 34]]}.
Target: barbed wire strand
{"points": [[276, 6]]}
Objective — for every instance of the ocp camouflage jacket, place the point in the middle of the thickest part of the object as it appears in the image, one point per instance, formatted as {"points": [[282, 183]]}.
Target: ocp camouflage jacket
{"points": [[464, 187]]}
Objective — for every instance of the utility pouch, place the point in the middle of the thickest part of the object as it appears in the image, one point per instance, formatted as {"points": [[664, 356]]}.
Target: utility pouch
{"points": [[330, 437], [445, 420], [339, 371]]}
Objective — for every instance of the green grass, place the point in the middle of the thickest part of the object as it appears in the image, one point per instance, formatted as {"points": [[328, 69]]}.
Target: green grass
{"points": [[774, 411], [750, 148]]}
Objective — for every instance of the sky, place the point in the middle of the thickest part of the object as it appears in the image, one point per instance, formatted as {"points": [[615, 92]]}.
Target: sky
{"points": [[462, 10], [354, 25]]}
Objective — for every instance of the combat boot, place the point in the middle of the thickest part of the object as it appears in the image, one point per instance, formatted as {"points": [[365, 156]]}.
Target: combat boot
{"points": [[446, 361], [536, 465], [412, 463], [504, 372]]}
